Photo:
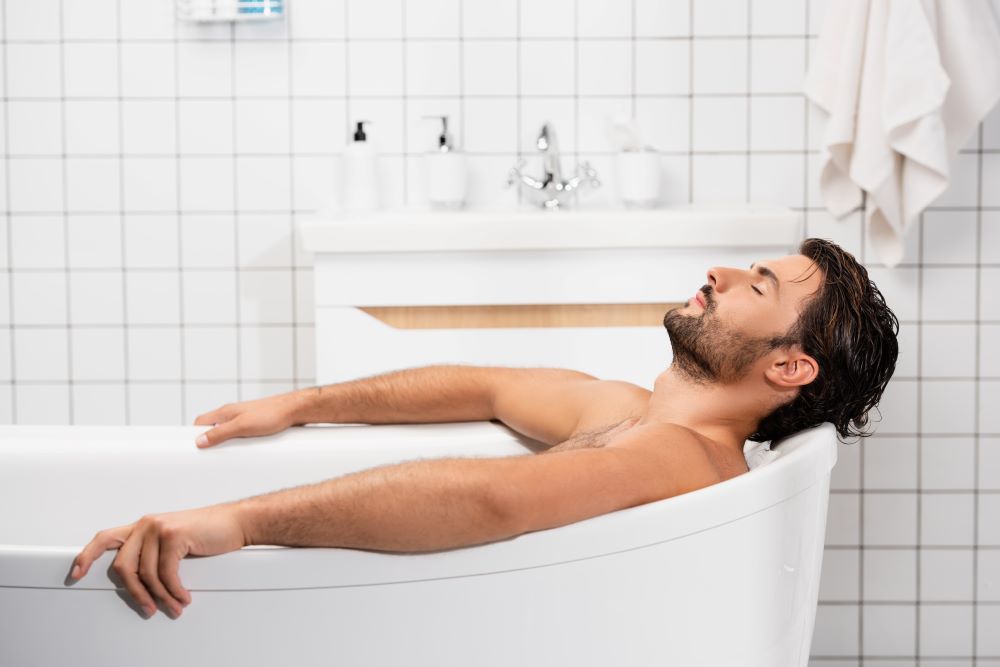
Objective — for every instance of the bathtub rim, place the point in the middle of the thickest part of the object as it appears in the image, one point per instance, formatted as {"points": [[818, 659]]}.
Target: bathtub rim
{"points": [[806, 460]]}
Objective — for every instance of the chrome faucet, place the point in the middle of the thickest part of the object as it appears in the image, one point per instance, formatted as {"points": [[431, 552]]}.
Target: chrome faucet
{"points": [[551, 191]]}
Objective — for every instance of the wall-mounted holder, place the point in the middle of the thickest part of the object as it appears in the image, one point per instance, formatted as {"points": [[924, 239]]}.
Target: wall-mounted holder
{"points": [[230, 10]]}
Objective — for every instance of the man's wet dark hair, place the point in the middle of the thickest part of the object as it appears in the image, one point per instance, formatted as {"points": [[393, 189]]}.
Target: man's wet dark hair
{"points": [[851, 332]]}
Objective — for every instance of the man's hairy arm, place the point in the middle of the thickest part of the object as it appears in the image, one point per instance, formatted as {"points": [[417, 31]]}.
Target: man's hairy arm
{"points": [[412, 506], [543, 403]]}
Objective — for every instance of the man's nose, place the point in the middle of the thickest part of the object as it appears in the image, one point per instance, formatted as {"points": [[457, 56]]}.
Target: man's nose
{"points": [[722, 278]]}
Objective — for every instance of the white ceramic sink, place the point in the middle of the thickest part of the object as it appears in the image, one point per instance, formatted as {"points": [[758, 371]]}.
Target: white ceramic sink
{"points": [[693, 225]]}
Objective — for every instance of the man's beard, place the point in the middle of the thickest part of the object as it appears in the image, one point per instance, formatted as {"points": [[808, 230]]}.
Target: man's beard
{"points": [[707, 352]]}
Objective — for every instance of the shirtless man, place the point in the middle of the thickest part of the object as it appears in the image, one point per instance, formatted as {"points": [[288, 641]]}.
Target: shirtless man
{"points": [[758, 353]]}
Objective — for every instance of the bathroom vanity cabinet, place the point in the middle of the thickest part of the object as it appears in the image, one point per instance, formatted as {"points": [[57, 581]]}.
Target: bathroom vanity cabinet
{"points": [[581, 289]]}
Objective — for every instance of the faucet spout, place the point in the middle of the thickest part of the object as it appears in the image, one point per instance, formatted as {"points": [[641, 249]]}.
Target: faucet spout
{"points": [[551, 190]]}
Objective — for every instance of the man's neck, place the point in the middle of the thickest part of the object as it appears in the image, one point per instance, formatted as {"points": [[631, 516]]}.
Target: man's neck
{"points": [[726, 414]]}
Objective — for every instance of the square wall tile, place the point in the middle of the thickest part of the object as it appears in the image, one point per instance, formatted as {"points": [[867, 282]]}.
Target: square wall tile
{"points": [[206, 126], [908, 339], [147, 20], [946, 519], [489, 67], [778, 17], [948, 463], [949, 293], [987, 639], [777, 178], [207, 184], [154, 354], [99, 404], [989, 349], [95, 297], [33, 70], [839, 575], [317, 19], [35, 184], [98, 353], [264, 183], [721, 17], [949, 237], [35, 127], [41, 355], [604, 18], [37, 242], [148, 69], [890, 575], [835, 632], [153, 297], [662, 18], [155, 403], [945, 630], [262, 126], [33, 20], [319, 68], [204, 397], [777, 65], [38, 297], [946, 574], [95, 241], [209, 297], [889, 630], [374, 18], [433, 68], [948, 350], [151, 241], [662, 67], [991, 171], [205, 68], [846, 474], [375, 68], [890, 519], [91, 69], [318, 126], [490, 19], [265, 240], [93, 184], [962, 182], [261, 68], [605, 67], [491, 125], [663, 123], [842, 521], [890, 463], [149, 184], [148, 126], [947, 406], [719, 178], [266, 353], [433, 18], [210, 353], [557, 77], [720, 124], [553, 18], [92, 127], [42, 403], [265, 296], [720, 66], [777, 123]]}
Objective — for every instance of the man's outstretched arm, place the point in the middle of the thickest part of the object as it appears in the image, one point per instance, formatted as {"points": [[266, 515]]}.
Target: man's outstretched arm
{"points": [[412, 506]]}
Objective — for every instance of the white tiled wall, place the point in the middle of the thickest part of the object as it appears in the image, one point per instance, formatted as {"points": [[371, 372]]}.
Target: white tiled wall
{"points": [[153, 173]]}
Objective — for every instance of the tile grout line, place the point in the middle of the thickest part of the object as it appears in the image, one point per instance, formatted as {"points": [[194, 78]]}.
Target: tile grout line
{"points": [[977, 425], [292, 218], [64, 214], [236, 213], [181, 283], [7, 219]]}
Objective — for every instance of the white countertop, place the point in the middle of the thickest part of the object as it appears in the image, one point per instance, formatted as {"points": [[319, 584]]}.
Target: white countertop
{"points": [[420, 230]]}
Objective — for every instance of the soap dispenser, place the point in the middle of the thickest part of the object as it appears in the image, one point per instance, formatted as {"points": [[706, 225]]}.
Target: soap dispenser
{"points": [[446, 171], [360, 192]]}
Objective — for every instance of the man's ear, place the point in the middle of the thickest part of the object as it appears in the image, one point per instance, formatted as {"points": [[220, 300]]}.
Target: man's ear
{"points": [[791, 368]]}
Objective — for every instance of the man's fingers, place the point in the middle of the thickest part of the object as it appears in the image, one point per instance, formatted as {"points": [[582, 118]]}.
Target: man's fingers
{"points": [[126, 565], [220, 433], [104, 540], [213, 417], [149, 572], [170, 562]]}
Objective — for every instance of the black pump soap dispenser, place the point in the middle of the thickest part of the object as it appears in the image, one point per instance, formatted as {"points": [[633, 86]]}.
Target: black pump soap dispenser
{"points": [[360, 191]]}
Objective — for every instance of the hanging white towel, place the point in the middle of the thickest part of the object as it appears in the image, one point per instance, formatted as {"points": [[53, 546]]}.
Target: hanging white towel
{"points": [[901, 85]]}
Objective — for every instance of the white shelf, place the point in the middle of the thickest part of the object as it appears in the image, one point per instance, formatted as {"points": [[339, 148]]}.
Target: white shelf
{"points": [[695, 225]]}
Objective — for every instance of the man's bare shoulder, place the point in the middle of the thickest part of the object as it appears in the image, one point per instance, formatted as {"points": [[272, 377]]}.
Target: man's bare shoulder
{"points": [[611, 402], [680, 448]]}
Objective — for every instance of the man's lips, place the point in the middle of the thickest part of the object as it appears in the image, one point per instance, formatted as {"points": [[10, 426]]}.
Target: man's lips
{"points": [[699, 299]]}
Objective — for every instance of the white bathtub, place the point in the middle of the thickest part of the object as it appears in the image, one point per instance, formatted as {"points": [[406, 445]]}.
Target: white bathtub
{"points": [[726, 575]]}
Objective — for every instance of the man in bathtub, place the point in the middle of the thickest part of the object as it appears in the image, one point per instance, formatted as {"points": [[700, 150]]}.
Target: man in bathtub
{"points": [[758, 353]]}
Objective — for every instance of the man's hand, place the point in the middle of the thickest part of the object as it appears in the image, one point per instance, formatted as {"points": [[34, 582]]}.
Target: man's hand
{"points": [[263, 416], [150, 551]]}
